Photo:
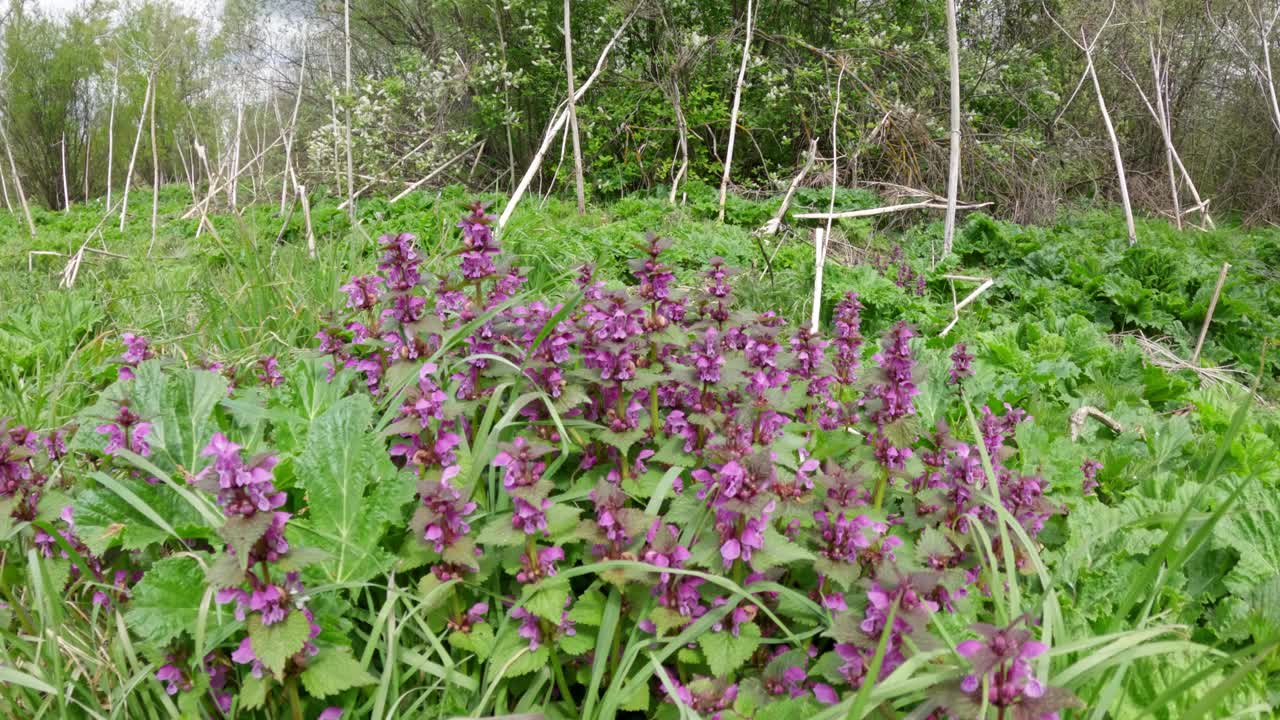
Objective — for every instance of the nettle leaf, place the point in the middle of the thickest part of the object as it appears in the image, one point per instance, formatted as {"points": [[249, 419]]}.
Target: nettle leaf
{"points": [[104, 519], [479, 641], [666, 620], [580, 643], [253, 693], [1253, 531], [275, 644], [241, 532], [166, 603], [514, 649], [638, 700], [182, 417], [500, 533], [726, 653], [778, 550], [333, 671], [353, 492], [588, 609], [547, 600]]}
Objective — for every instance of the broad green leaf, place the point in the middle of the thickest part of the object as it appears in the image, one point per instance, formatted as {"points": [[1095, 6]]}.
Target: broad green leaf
{"points": [[778, 550], [253, 693], [726, 653], [588, 608], [166, 603], [104, 519], [353, 492], [275, 644], [333, 671], [479, 641], [547, 600]]}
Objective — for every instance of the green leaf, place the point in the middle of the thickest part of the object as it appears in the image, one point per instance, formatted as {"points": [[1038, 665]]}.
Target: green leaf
{"points": [[253, 693], [637, 701], [547, 600], [333, 671], [180, 405], [353, 492], [515, 650], [104, 518], [588, 609], [1253, 531], [479, 641], [275, 644], [580, 643], [166, 603], [241, 532], [778, 550], [726, 653], [499, 532]]}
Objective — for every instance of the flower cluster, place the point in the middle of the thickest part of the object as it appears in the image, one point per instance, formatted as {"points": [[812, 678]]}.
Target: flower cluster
{"points": [[775, 442], [263, 587], [136, 349]]}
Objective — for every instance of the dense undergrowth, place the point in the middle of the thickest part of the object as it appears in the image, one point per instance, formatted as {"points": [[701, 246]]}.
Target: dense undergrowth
{"points": [[683, 506]]}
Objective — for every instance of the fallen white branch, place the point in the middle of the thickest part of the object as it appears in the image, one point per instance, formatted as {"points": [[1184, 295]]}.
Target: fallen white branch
{"points": [[437, 171], [869, 212]]}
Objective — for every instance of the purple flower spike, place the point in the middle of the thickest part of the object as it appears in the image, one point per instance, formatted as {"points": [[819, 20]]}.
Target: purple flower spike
{"points": [[961, 364]]}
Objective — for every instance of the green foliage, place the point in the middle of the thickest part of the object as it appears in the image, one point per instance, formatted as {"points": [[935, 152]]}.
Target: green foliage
{"points": [[352, 490]]}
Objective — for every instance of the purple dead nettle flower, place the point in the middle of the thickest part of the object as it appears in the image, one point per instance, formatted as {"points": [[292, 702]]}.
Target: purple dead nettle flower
{"points": [[363, 291], [1090, 470], [1003, 656], [532, 571], [330, 713], [654, 276], [897, 369], [717, 305], [741, 536], [400, 261], [531, 628], [706, 358], [846, 539], [478, 244], [136, 350], [444, 512], [848, 338], [522, 463], [709, 697], [127, 431], [269, 371], [174, 679], [961, 364]]}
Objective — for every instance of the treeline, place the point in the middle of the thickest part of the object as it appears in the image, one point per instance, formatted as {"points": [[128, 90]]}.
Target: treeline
{"points": [[465, 91]]}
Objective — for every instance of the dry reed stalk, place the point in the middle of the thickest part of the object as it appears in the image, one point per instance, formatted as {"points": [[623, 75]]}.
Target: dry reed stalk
{"points": [[155, 180], [111, 126], [953, 174], [1161, 356], [957, 307], [346, 109], [869, 212], [133, 156], [1208, 318], [573, 113], [66, 192], [17, 181], [775, 223], [733, 113], [682, 129], [434, 173]]}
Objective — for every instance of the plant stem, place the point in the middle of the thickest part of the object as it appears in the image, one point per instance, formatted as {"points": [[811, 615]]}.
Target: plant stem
{"points": [[562, 682], [295, 704]]}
